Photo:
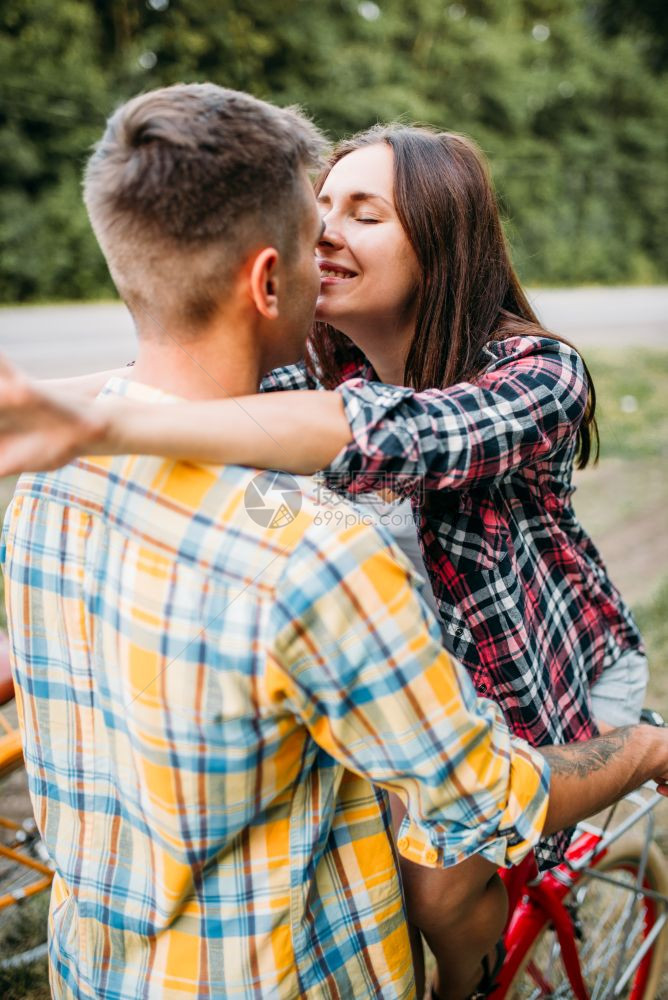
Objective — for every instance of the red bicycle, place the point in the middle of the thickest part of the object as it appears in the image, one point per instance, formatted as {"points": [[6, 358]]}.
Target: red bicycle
{"points": [[594, 927], [25, 870]]}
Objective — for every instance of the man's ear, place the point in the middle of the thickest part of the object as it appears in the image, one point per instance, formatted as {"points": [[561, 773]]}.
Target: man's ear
{"points": [[264, 282]]}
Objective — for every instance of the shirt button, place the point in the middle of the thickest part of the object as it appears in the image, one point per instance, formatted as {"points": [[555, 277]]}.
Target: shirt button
{"points": [[483, 689], [459, 631], [431, 856], [402, 843]]}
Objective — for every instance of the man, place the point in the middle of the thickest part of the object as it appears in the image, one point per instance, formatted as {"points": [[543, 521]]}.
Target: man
{"points": [[206, 684]]}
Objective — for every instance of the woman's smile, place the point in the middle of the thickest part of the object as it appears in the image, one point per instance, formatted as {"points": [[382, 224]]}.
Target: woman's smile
{"points": [[334, 274]]}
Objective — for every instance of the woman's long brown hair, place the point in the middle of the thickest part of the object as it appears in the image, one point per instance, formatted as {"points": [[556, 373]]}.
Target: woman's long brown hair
{"points": [[469, 293]]}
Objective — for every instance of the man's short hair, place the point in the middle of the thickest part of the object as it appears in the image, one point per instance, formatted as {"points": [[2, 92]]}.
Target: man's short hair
{"points": [[184, 182]]}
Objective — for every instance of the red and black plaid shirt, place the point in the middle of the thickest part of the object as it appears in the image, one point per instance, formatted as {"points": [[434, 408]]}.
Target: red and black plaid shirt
{"points": [[525, 601]]}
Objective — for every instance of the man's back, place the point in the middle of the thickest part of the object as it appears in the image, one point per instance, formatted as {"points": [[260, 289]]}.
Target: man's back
{"points": [[182, 807], [190, 684]]}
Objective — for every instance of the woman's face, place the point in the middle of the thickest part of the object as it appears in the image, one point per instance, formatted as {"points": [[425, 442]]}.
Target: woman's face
{"points": [[369, 272]]}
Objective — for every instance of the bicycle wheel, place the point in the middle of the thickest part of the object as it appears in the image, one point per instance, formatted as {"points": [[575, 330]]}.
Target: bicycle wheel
{"points": [[25, 872], [612, 923]]}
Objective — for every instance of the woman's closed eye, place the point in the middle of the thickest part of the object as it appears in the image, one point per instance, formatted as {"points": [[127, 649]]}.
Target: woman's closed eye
{"points": [[366, 219]]}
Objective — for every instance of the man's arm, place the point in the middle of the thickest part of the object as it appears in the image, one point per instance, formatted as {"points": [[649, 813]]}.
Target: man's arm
{"points": [[587, 777], [365, 669], [363, 666]]}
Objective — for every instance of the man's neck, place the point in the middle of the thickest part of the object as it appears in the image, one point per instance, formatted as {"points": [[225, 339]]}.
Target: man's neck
{"points": [[207, 367]]}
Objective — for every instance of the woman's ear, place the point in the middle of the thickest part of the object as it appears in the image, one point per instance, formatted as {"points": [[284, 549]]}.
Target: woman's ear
{"points": [[264, 282]]}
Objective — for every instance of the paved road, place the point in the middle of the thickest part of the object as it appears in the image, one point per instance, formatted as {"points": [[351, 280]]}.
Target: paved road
{"points": [[72, 339]]}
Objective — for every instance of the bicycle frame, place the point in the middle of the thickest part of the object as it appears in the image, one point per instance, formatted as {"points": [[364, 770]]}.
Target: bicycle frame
{"points": [[11, 753], [21, 850], [536, 900]]}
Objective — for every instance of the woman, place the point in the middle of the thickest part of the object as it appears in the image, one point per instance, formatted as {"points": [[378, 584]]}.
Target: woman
{"points": [[459, 405]]}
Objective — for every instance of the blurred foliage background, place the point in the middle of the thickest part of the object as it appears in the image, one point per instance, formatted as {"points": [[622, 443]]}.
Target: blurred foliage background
{"points": [[568, 98]]}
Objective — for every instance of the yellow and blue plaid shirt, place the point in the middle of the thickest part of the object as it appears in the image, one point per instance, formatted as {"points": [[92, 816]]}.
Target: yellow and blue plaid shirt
{"points": [[205, 701]]}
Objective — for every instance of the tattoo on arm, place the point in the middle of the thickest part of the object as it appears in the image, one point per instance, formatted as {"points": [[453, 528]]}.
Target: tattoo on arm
{"points": [[582, 759]]}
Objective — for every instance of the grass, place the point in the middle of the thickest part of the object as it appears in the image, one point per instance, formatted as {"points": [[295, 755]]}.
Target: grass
{"points": [[30, 982], [632, 402], [652, 617], [630, 486]]}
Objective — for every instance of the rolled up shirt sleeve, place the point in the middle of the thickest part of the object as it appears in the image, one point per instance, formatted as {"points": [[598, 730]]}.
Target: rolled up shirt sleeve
{"points": [[359, 661], [521, 410]]}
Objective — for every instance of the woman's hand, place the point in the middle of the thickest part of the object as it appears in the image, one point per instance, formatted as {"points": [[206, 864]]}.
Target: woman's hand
{"points": [[43, 428]]}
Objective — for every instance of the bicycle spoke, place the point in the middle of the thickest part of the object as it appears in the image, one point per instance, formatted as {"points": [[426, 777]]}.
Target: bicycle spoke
{"points": [[614, 922], [25, 878], [545, 987]]}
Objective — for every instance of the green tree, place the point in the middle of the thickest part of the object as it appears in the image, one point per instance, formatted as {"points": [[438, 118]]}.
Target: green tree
{"points": [[53, 103], [568, 102]]}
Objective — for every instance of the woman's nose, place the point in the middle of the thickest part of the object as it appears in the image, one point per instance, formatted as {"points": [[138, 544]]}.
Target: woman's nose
{"points": [[331, 236]]}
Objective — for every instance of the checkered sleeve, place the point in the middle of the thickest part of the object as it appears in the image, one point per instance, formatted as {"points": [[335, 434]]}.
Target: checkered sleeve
{"points": [[357, 657], [526, 406], [289, 377]]}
